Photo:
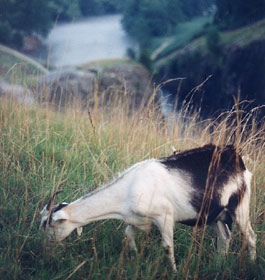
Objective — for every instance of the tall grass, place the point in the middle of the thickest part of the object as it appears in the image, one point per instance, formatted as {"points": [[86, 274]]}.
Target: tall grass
{"points": [[40, 147]]}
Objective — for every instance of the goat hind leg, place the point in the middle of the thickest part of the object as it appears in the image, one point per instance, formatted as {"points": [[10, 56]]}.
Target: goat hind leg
{"points": [[130, 234]]}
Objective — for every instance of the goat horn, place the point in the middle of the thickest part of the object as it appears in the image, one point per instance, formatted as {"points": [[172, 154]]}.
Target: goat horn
{"points": [[53, 198]]}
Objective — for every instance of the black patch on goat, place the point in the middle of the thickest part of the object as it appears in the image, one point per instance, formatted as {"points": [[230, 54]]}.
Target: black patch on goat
{"points": [[235, 199], [60, 206], [210, 168]]}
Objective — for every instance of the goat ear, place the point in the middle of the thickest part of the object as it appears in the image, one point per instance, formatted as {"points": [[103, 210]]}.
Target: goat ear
{"points": [[59, 215]]}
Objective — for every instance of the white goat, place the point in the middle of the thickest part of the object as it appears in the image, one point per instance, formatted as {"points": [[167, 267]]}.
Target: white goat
{"points": [[208, 185]]}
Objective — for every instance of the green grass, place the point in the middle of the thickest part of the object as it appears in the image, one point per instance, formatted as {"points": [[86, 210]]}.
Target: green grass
{"points": [[106, 63], [17, 68], [39, 148], [245, 35], [238, 37], [184, 32]]}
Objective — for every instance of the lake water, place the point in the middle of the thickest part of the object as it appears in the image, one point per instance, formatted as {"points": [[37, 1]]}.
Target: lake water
{"points": [[94, 38]]}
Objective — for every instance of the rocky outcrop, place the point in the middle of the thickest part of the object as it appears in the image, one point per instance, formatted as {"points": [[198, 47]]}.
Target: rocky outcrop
{"points": [[31, 44], [238, 71], [132, 80], [64, 87], [70, 85]]}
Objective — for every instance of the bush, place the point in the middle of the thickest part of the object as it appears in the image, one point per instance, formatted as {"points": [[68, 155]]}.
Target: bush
{"points": [[131, 53], [17, 40], [5, 32], [213, 41], [145, 59]]}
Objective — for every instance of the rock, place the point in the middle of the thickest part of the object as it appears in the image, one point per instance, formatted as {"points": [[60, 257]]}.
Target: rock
{"points": [[239, 71], [65, 87], [31, 44], [16, 92], [70, 85], [134, 80]]}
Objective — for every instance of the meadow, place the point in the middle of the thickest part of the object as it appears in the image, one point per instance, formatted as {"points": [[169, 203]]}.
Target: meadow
{"points": [[41, 146]]}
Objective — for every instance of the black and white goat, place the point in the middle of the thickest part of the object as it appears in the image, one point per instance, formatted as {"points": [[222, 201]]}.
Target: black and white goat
{"points": [[207, 185]]}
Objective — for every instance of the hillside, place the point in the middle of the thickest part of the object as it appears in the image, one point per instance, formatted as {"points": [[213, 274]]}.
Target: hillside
{"points": [[40, 148], [24, 79], [235, 65], [239, 37], [15, 65]]}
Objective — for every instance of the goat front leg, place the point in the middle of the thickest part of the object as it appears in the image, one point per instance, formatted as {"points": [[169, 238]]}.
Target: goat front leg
{"points": [[130, 234], [242, 219], [223, 237], [79, 231]]}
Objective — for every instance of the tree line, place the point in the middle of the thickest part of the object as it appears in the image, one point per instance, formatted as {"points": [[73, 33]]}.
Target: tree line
{"points": [[142, 19], [19, 18]]}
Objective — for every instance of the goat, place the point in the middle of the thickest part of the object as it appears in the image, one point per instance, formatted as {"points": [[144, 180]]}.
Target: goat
{"points": [[207, 185]]}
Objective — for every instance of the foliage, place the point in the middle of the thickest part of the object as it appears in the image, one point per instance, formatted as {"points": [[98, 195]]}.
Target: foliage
{"points": [[5, 32], [131, 53], [64, 10], [142, 19], [37, 16], [231, 14], [23, 17], [184, 33], [97, 7], [147, 19], [26, 16], [192, 8], [145, 59], [213, 41]]}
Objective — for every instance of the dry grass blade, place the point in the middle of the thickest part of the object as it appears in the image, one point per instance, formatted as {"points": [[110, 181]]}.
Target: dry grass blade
{"points": [[75, 270]]}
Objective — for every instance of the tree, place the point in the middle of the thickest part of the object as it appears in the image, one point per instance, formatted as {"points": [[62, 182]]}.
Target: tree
{"points": [[232, 14], [143, 19], [192, 8], [26, 16], [213, 41], [96, 7], [18, 18], [64, 10]]}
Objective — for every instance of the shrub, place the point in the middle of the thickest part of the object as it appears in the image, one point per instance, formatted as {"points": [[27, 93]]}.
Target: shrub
{"points": [[5, 32], [213, 41], [131, 53], [145, 59], [17, 40]]}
